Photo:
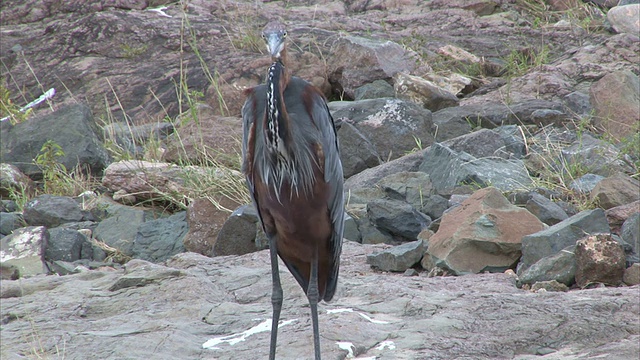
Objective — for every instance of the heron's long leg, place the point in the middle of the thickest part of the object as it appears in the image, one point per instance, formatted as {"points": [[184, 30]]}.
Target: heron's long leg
{"points": [[276, 296], [313, 296]]}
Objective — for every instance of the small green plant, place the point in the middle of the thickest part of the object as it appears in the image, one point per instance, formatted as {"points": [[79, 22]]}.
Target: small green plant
{"points": [[131, 51], [519, 62], [53, 172], [9, 109], [56, 179]]}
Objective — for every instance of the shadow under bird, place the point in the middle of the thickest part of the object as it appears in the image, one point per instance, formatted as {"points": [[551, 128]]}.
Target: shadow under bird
{"points": [[294, 174]]}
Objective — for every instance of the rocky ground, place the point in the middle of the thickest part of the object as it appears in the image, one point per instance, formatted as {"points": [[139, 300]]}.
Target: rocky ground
{"points": [[171, 311], [490, 150]]}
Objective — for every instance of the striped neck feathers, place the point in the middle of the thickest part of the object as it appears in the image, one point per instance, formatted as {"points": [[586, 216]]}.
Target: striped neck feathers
{"points": [[278, 134], [286, 162]]}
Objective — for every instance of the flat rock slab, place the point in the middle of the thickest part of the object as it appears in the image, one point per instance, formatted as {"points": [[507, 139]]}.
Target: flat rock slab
{"points": [[170, 312]]}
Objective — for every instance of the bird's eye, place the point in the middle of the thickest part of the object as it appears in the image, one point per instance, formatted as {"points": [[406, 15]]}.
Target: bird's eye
{"points": [[263, 36], [284, 34]]}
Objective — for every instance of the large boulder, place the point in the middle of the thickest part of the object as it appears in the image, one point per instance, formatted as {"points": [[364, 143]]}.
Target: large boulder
{"points": [[119, 226], [72, 127], [482, 234], [159, 239], [448, 169], [240, 234], [357, 153], [554, 239], [24, 250], [51, 211], [616, 190], [393, 126], [423, 92], [205, 220], [616, 100], [560, 267], [355, 61]]}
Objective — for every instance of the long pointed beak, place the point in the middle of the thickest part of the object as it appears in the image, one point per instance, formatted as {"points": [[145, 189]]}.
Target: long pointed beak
{"points": [[275, 44]]}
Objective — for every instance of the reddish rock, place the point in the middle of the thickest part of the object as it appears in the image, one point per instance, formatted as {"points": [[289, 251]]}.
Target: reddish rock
{"points": [[483, 233], [599, 259], [616, 216], [632, 275], [616, 190], [144, 180], [616, 101], [205, 221]]}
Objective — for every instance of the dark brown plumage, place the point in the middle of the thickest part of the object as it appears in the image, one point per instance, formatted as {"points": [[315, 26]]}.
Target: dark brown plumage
{"points": [[294, 174]]}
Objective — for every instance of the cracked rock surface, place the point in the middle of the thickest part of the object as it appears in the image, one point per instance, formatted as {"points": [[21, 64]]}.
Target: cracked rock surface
{"points": [[170, 311]]}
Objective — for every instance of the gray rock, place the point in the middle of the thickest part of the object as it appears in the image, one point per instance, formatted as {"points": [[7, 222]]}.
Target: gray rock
{"points": [[448, 169], [397, 218], [434, 206], [8, 206], [594, 155], [119, 227], [578, 102], [355, 61], [132, 137], [364, 195], [456, 200], [546, 210], [13, 181], [372, 235], [491, 115], [370, 177], [513, 140], [630, 232], [351, 231], [410, 187], [585, 183], [72, 127], [239, 233], [561, 235], [10, 221], [51, 211], [367, 232], [356, 151], [24, 250], [544, 117], [599, 259], [423, 92], [480, 144], [374, 90], [157, 240], [66, 245], [398, 258], [391, 125], [560, 267], [452, 122]]}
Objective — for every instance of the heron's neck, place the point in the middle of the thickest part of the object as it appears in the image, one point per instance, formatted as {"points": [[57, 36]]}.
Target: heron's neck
{"points": [[277, 131]]}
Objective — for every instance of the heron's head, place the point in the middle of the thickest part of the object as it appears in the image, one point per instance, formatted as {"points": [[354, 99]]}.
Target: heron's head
{"points": [[274, 34]]}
